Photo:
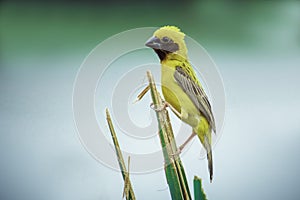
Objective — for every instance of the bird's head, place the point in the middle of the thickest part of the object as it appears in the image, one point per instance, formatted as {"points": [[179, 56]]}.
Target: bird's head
{"points": [[168, 40]]}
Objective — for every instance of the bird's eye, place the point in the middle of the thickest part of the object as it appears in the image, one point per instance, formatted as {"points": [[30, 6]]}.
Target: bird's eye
{"points": [[165, 39]]}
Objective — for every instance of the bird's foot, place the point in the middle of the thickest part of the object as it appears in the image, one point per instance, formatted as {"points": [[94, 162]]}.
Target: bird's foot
{"points": [[164, 106], [159, 108], [178, 152]]}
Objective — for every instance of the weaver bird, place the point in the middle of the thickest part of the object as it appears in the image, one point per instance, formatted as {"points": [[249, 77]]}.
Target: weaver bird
{"points": [[181, 89]]}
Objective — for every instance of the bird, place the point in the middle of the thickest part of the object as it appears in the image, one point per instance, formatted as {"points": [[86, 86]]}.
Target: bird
{"points": [[181, 89]]}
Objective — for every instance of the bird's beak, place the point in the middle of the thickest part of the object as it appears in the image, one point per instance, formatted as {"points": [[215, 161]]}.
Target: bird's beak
{"points": [[154, 43]]}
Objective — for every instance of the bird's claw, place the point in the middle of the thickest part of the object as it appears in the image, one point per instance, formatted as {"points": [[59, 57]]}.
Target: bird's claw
{"points": [[178, 152], [158, 109]]}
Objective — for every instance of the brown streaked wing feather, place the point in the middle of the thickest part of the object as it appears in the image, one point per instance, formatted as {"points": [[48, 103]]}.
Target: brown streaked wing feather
{"points": [[196, 94]]}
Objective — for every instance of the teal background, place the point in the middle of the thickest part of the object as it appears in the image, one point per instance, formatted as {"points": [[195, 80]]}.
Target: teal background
{"points": [[256, 46]]}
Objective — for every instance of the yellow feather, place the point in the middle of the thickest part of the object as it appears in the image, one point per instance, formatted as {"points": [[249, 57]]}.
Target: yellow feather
{"points": [[175, 95]]}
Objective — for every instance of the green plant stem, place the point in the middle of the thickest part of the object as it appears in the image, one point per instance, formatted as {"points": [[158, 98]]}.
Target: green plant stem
{"points": [[198, 190], [125, 174], [174, 170]]}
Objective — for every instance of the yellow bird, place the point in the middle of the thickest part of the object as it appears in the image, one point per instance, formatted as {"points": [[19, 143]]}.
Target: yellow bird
{"points": [[182, 91]]}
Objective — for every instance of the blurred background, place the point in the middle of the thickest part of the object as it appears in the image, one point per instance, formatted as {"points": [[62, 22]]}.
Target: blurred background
{"points": [[256, 45]]}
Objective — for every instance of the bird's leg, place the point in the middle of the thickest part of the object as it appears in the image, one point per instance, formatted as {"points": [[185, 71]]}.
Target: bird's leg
{"points": [[181, 147], [165, 105], [187, 141], [158, 109], [142, 94]]}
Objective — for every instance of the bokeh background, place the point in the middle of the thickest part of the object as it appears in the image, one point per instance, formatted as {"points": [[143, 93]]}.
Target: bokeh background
{"points": [[256, 45]]}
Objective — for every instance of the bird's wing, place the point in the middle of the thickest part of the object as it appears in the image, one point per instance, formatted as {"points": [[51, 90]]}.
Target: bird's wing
{"points": [[196, 94]]}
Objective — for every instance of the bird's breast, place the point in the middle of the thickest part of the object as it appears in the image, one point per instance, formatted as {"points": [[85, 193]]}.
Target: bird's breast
{"points": [[174, 95]]}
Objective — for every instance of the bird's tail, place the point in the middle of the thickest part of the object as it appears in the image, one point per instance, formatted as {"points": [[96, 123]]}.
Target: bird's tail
{"points": [[207, 146], [206, 140]]}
